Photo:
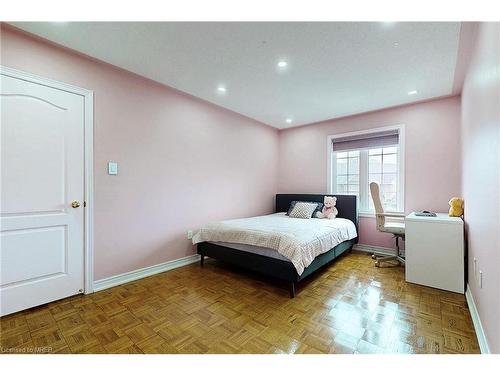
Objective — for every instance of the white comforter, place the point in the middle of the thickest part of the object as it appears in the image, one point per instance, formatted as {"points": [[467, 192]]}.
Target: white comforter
{"points": [[300, 240]]}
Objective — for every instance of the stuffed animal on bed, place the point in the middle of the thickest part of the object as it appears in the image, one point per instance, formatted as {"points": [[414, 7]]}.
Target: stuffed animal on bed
{"points": [[456, 207], [329, 210]]}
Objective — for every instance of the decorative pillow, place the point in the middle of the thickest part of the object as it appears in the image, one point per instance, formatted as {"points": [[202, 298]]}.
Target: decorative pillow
{"points": [[318, 208], [303, 210]]}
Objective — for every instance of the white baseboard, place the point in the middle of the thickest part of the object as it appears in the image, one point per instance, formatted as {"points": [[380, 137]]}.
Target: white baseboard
{"points": [[374, 249], [481, 337], [112, 281]]}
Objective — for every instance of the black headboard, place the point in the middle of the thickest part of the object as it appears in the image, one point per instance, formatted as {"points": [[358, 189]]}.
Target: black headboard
{"points": [[346, 204]]}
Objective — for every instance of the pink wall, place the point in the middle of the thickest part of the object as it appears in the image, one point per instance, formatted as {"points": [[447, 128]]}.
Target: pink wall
{"points": [[185, 155], [433, 170], [481, 175]]}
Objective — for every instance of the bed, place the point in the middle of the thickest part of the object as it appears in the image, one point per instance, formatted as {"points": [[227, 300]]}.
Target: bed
{"points": [[276, 253]]}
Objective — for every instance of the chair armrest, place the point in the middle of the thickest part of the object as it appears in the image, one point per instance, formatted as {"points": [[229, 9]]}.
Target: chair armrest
{"points": [[391, 214]]}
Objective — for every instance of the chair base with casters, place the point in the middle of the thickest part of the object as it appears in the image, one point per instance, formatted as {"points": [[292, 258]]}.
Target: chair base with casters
{"points": [[387, 258]]}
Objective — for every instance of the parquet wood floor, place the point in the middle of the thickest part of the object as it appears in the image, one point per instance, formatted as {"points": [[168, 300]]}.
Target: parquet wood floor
{"points": [[347, 307]]}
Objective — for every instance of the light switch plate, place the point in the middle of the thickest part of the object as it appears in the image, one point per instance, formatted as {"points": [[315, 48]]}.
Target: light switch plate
{"points": [[112, 168]]}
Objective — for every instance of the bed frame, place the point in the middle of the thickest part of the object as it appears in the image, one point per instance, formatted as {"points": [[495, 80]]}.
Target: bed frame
{"points": [[346, 205]]}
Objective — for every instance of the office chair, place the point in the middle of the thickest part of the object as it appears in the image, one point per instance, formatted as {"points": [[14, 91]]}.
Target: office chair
{"points": [[395, 228]]}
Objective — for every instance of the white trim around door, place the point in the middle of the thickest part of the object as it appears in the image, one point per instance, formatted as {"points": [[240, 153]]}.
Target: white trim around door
{"points": [[88, 96]]}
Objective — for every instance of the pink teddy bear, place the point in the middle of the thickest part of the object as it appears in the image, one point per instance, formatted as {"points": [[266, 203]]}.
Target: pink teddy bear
{"points": [[329, 210]]}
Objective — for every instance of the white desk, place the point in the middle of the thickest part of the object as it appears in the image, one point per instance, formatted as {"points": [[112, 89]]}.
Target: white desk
{"points": [[435, 251]]}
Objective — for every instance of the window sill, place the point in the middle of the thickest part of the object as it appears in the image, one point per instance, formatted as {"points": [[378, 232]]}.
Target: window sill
{"points": [[372, 214], [366, 214]]}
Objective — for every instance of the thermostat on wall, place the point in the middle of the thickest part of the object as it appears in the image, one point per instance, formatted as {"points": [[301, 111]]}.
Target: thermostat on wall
{"points": [[112, 168]]}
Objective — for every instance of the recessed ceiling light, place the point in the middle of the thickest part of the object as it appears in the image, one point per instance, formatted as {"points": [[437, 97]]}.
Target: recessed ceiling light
{"points": [[412, 92], [288, 120], [396, 44], [221, 89], [282, 64]]}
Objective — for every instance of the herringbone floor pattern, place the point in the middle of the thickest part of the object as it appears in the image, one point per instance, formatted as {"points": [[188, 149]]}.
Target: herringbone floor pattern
{"points": [[349, 306]]}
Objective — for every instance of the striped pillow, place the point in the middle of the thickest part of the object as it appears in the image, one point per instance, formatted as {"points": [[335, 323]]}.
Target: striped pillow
{"points": [[303, 210]]}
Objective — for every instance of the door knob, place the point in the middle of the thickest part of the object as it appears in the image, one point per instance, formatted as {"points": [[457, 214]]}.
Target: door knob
{"points": [[75, 204]]}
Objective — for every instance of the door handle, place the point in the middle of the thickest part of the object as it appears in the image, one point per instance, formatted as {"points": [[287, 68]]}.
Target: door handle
{"points": [[75, 204]]}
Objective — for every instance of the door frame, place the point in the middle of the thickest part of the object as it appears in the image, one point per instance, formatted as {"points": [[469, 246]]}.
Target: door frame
{"points": [[88, 222]]}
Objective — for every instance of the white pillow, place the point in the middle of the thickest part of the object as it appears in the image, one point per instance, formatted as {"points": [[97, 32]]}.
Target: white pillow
{"points": [[303, 210]]}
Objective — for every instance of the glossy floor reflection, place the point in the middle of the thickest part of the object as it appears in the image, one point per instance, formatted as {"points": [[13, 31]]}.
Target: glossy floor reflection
{"points": [[348, 307]]}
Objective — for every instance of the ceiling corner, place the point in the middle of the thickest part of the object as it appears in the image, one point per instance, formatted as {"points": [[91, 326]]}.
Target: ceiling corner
{"points": [[465, 49]]}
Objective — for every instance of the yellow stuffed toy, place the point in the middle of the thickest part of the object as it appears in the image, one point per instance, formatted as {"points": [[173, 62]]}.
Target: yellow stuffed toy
{"points": [[456, 207]]}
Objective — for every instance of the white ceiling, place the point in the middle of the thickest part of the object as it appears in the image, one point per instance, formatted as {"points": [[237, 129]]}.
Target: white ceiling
{"points": [[334, 69]]}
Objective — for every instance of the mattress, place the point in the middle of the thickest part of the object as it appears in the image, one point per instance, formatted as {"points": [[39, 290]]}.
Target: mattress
{"points": [[259, 250], [298, 240]]}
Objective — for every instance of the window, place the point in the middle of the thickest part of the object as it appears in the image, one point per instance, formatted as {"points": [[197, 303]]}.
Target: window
{"points": [[359, 158], [347, 172]]}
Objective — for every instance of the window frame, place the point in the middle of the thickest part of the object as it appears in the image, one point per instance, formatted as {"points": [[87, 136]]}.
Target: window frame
{"points": [[363, 165]]}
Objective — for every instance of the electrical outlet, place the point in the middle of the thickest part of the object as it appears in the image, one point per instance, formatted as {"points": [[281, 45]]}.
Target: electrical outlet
{"points": [[190, 234]]}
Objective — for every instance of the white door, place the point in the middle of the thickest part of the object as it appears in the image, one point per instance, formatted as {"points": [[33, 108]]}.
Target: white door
{"points": [[42, 172]]}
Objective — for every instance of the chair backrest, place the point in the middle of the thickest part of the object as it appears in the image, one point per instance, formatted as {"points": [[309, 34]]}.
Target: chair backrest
{"points": [[379, 209]]}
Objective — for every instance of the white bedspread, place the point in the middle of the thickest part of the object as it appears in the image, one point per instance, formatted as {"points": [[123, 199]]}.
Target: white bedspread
{"points": [[300, 240]]}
